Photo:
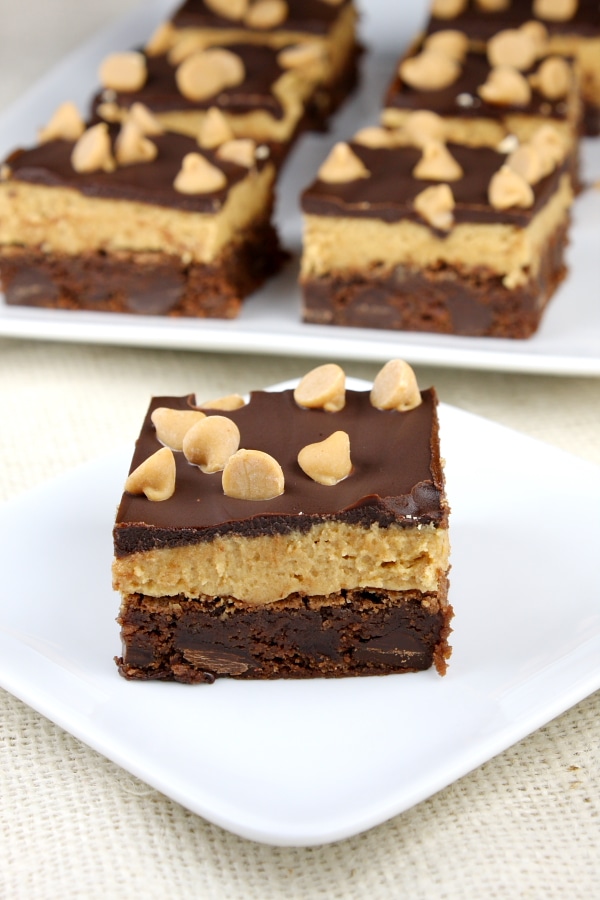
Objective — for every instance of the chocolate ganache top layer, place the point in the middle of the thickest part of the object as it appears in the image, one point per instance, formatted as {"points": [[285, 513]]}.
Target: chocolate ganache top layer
{"points": [[49, 164], [311, 16], [161, 94], [481, 25], [461, 98], [389, 192], [396, 477]]}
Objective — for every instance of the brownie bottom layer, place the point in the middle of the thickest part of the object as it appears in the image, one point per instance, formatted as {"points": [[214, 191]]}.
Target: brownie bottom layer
{"points": [[142, 283], [442, 300], [356, 633]]}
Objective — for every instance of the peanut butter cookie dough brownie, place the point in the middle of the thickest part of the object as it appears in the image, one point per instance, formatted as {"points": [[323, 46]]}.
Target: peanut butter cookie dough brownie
{"points": [[404, 231], [572, 27], [129, 219], [301, 534]]}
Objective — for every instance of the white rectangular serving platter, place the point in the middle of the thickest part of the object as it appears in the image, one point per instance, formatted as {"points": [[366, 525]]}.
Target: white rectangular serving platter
{"points": [[297, 763], [568, 341]]}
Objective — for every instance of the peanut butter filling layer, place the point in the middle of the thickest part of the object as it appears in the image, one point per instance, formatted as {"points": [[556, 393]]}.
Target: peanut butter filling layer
{"points": [[330, 557]]}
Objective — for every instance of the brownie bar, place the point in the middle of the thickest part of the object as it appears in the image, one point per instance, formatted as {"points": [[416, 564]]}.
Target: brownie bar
{"points": [[574, 34], [374, 258], [325, 578], [129, 240]]}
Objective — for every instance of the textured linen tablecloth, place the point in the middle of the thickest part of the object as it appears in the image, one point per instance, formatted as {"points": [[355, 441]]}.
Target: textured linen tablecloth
{"points": [[73, 824]]}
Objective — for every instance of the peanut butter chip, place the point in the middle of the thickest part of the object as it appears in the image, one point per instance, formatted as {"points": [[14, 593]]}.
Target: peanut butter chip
{"points": [[185, 45], [505, 86], [210, 442], [435, 204], [242, 152], [161, 40], [429, 71], [437, 164], [215, 129], [555, 10], [145, 120], [173, 424], [374, 136], [132, 147], [198, 176], [327, 462], [550, 145], [66, 124], [423, 126], [493, 5], [308, 55], [538, 34], [266, 14], [155, 477], [448, 9], [253, 475], [554, 78], [207, 72], [342, 165], [322, 388], [512, 47], [228, 402], [123, 71], [450, 42], [395, 387], [507, 188], [527, 161], [93, 152], [229, 9]]}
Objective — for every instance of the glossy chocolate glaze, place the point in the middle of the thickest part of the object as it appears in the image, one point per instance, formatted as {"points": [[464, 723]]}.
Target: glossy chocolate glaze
{"points": [[389, 192], [474, 73], [49, 164], [481, 25], [311, 16], [397, 476], [161, 94]]}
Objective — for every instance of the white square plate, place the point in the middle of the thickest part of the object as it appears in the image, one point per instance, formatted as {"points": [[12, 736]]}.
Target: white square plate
{"points": [[309, 762], [567, 342]]}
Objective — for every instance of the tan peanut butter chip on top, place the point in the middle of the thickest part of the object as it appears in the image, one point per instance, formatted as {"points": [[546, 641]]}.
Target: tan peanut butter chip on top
{"points": [[210, 442], [145, 120], [253, 475], [448, 9], [423, 125], [208, 72], [266, 14], [429, 70], [66, 124], [123, 71], [322, 388], [229, 9], [131, 146], [435, 205], [327, 462], [505, 86], [302, 56], [173, 424], [550, 144], [155, 477], [553, 78], [512, 47], [214, 130], [528, 162], [227, 403], [161, 40], [374, 136], [93, 151], [507, 188], [437, 164], [555, 10], [241, 151], [395, 387], [198, 176], [342, 165], [450, 42]]}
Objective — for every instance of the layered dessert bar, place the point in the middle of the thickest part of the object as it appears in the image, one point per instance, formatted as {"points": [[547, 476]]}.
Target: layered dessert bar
{"points": [[303, 533], [572, 26], [133, 220], [323, 30], [513, 88], [263, 93], [436, 237]]}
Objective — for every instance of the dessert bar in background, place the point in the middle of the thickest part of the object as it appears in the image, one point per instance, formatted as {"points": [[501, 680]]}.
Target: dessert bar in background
{"points": [[122, 220], [436, 237], [300, 534], [572, 26]]}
